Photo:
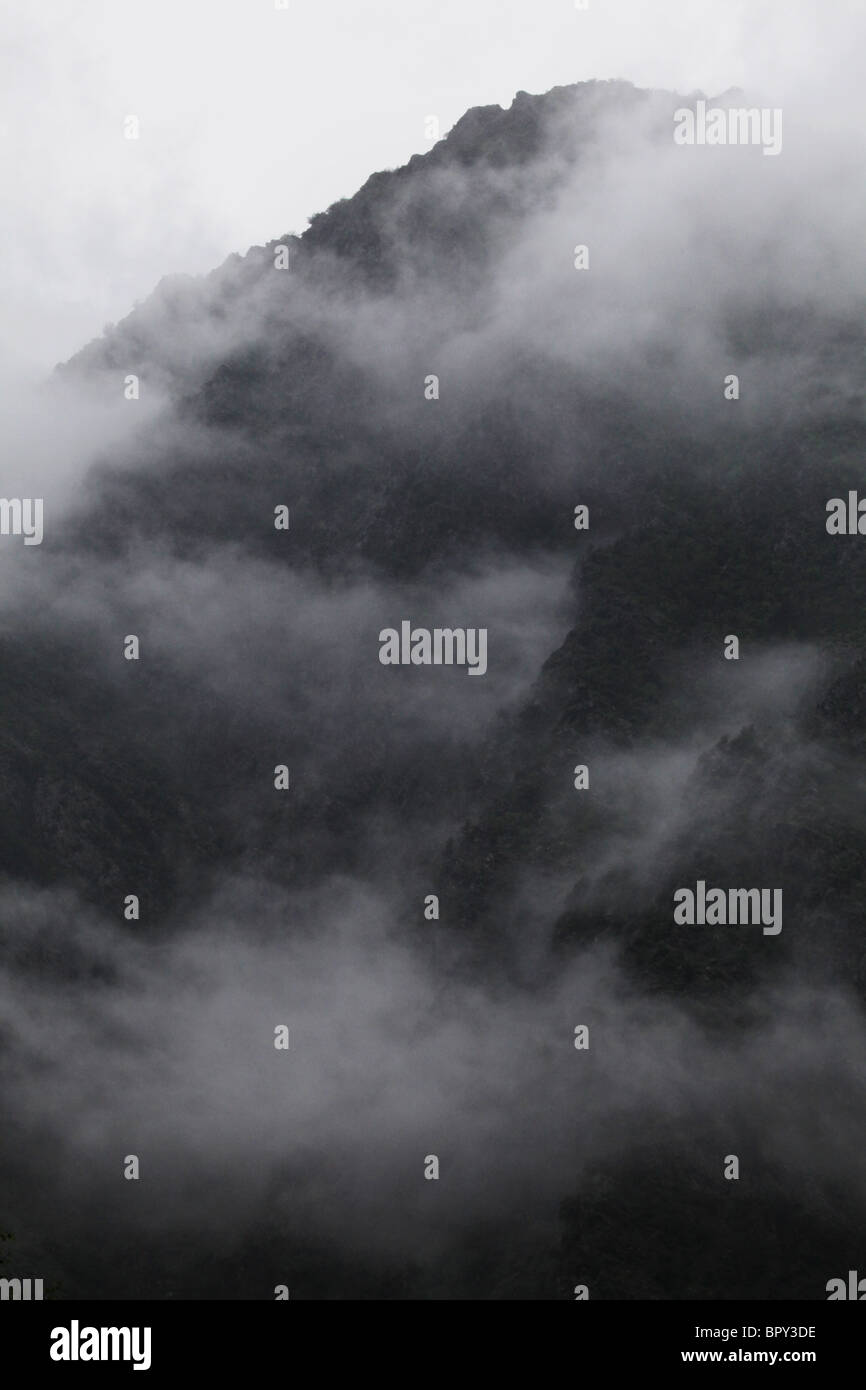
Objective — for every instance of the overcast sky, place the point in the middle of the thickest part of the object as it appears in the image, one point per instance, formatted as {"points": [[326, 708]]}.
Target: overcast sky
{"points": [[254, 118]]}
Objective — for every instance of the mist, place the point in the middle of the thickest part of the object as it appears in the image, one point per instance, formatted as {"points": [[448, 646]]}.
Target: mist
{"points": [[451, 1031]]}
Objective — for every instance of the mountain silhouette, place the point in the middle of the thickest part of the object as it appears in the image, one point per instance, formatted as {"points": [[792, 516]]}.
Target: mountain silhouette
{"points": [[309, 386]]}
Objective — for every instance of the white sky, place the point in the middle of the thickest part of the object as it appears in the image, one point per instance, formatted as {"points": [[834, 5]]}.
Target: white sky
{"points": [[254, 118]]}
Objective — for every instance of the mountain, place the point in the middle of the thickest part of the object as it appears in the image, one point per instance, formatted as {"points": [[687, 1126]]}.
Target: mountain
{"points": [[432, 387]]}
